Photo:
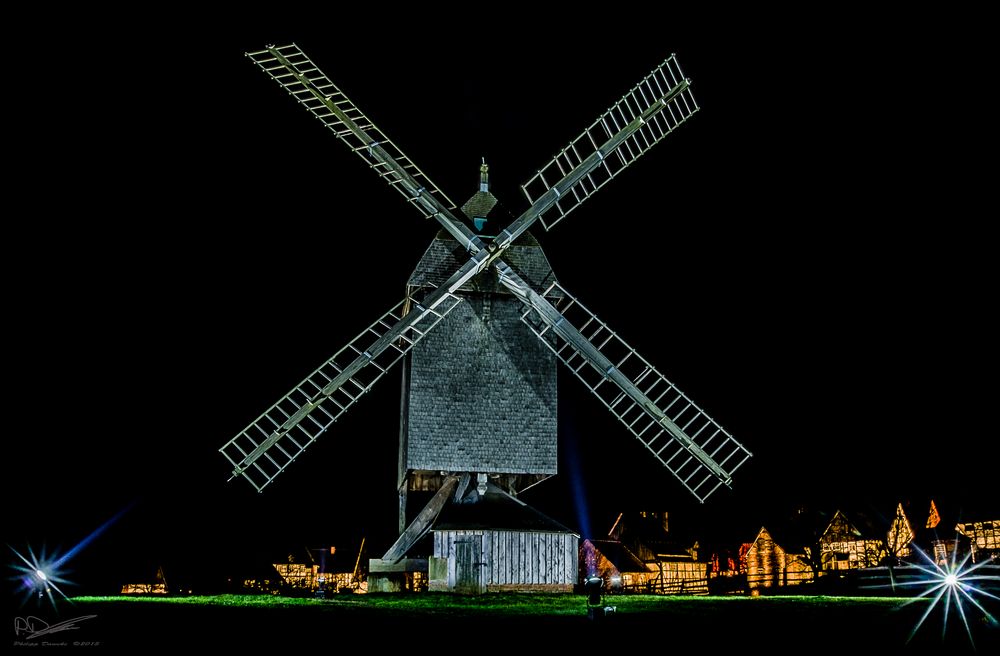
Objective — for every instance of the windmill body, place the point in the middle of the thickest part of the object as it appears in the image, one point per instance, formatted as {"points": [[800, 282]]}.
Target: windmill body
{"points": [[479, 333], [479, 392]]}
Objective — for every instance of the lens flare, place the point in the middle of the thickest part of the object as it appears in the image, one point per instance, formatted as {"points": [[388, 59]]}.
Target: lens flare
{"points": [[952, 585], [41, 575]]}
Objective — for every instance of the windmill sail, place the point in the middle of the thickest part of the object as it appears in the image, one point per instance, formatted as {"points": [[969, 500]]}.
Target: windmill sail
{"points": [[696, 449], [699, 452], [649, 112], [271, 442], [300, 77]]}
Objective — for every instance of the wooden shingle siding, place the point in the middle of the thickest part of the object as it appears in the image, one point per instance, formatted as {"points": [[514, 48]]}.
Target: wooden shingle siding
{"points": [[481, 387]]}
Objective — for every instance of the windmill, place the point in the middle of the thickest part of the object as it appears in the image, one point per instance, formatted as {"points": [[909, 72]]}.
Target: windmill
{"points": [[486, 313]]}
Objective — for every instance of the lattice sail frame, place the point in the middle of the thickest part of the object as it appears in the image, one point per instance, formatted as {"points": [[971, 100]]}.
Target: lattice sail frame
{"points": [[301, 78], [643, 117], [666, 84], [703, 432], [274, 440]]}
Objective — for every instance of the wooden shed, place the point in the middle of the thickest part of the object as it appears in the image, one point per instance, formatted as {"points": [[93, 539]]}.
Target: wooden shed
{"points": [[500, 544]]}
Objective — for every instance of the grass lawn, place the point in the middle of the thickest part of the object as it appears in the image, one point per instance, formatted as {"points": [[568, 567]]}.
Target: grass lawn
{"points": [[505, 622]]}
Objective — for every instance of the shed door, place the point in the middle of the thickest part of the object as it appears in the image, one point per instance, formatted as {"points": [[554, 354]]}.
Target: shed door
{"points": [[469, 565]]}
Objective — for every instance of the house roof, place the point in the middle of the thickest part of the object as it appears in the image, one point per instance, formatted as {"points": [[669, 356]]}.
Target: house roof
{"points": [[761, 533], [858, 525], [800, 529], [950, 514], [648, 530], [619, 555], [805, 526], [495, 510], [342, 559]]}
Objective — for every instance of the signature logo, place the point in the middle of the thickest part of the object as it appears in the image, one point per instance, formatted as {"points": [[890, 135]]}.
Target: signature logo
{"points": [[31, 627]]}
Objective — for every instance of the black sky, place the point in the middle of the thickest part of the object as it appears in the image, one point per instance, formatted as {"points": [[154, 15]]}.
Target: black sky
{"points": [[807, 258]]}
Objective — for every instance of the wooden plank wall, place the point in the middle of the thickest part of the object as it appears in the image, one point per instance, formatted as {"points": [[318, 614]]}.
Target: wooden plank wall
{"points": [[517, 560]]}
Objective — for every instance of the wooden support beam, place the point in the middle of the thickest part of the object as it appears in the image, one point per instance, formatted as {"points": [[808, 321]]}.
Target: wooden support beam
{"points": [[463, 485], [381, 566], [422, 523]]}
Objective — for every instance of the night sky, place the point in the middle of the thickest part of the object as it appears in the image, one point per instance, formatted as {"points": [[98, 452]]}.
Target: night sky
{"points": [[807, 258]]}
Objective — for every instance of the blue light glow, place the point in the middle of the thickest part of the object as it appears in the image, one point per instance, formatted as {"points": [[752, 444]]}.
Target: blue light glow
{"points": [[575, 473]]}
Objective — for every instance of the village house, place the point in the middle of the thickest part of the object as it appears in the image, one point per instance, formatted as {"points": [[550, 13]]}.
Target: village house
{"points": [[313, 571], [642, 555], [974, 533], [984, 538], [769, 565], [809, 547], [158, 586]]}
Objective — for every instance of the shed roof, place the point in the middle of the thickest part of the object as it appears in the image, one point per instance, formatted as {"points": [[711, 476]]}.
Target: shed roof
{"points": [[495, 510]]}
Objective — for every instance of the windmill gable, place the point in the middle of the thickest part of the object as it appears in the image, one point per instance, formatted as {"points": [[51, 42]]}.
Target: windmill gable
{"points": [[445, 255]]}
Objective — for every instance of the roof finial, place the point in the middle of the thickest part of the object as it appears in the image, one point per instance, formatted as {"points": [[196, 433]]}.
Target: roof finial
{"points": [[484, 176]]}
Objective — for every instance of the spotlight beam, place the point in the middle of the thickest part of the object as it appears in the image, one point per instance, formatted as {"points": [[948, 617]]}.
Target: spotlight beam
{"points": [[93, 536]]}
